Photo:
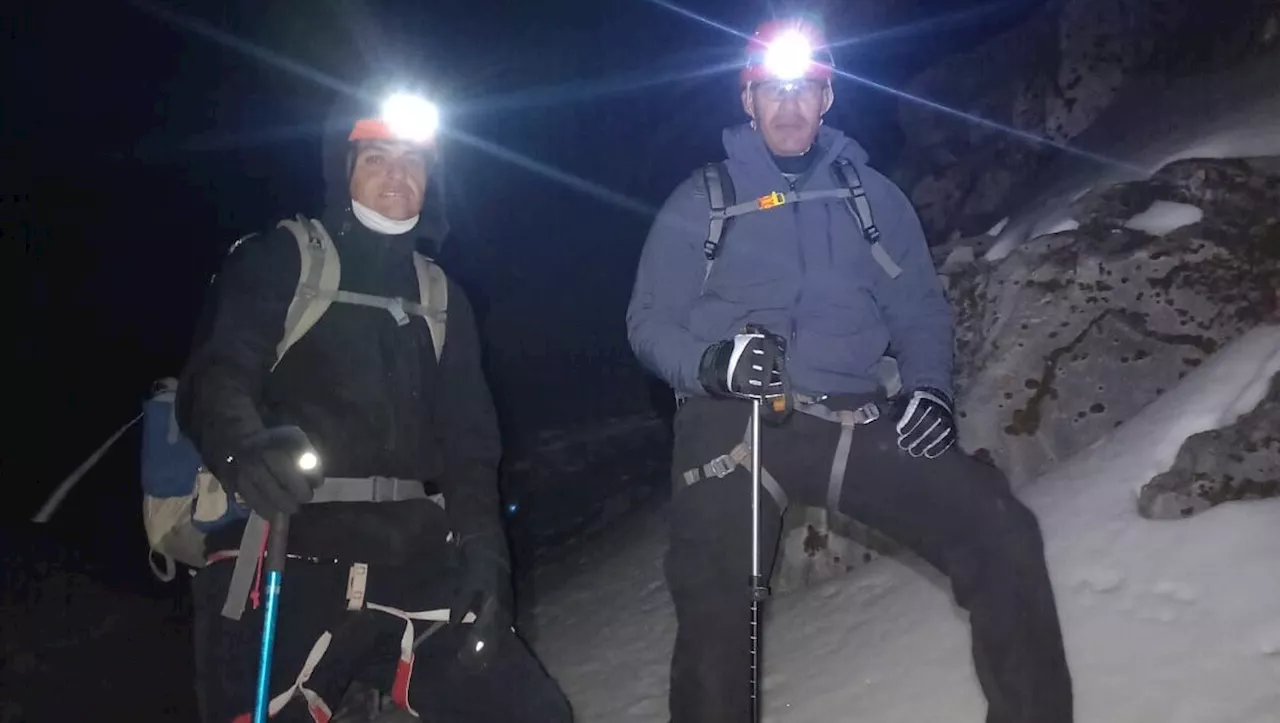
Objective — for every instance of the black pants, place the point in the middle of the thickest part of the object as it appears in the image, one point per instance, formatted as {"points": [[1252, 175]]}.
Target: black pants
{"points": [[954, 511], [365, 646]]}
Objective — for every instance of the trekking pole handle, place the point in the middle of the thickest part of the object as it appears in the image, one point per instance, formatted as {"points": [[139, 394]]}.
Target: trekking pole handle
{"points": [[277, 543]]}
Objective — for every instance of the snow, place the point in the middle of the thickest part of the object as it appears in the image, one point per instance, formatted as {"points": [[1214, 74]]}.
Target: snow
{"points": [[1164, 217], [1057, 225], [1229, 114], [1164, 621]]}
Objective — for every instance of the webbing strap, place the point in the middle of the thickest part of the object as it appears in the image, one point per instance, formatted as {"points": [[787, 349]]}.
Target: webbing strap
{"points": [[370, 489], [860, 208], [320, 276], [255, 530], [334, 489], [739, 456], [853, 193], [782, 199], [714, 178], [314, 275], [848, 419], [433, 288], [400, 308]]}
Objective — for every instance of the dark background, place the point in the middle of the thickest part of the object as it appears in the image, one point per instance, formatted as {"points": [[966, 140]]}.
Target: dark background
{"points": [[136, 150]]}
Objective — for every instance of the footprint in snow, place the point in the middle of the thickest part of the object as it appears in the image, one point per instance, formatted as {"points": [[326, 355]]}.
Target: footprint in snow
{"points": [[1099, 580]]}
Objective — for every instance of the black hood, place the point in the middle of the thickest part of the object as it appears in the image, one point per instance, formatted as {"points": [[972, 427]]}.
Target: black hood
{"points": [[433, 224]]}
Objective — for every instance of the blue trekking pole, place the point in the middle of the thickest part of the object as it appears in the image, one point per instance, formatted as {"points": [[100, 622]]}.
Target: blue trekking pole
{"points": [[277, 544]]}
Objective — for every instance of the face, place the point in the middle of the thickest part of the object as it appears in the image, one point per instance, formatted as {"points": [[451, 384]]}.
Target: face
{"points": [[390, 177], [788, 113]]}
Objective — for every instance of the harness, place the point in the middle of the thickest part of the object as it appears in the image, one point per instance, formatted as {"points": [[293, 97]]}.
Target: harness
{"points": [[320, 709], [740, 455]]}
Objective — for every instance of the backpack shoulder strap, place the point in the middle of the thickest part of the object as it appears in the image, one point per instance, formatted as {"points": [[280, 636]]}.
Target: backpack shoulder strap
{"points": [[318, 279], [433, 291], [713, 181], [860, 209]]}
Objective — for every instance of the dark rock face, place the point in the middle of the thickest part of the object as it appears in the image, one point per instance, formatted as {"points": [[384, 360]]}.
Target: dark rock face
{"points": [[1239, 462], [1049, 80]]}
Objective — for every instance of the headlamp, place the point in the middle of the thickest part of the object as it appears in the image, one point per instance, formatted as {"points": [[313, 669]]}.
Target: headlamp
{"points": [[402, 117], [788, 56], [411, 117]]}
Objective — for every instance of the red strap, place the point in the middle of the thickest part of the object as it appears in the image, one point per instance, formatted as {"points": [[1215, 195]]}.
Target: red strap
{"points": [[255, 595], [400, 687]]}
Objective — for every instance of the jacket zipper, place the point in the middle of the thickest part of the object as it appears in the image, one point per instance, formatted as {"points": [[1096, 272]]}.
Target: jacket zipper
{"points": [[804, 273]]}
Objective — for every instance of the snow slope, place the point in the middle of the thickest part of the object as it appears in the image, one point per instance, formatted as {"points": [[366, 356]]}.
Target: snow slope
{"points": [[1165, 622]]}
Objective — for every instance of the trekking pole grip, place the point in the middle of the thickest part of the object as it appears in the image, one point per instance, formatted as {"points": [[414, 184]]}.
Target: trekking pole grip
{"points": [[277, 543]]}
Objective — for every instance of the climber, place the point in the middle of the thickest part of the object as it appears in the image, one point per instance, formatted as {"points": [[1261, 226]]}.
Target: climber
{"points": [[784, 274], [398, 568]]}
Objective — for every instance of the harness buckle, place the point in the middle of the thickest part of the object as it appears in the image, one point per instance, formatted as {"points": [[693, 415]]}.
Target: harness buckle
{"points": [[867, 413], [396, 307], [382, 489], [720, 466]]}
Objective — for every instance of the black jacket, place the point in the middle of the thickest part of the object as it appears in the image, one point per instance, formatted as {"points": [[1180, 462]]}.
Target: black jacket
{"points": [[368, 393]]}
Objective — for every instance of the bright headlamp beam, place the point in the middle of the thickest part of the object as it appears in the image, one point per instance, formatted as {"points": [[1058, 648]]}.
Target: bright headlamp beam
{"points": [[788, 56], [411, 117]]}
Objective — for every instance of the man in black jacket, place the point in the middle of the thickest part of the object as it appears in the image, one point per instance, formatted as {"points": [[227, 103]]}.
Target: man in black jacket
{"points": [[402, 528]]}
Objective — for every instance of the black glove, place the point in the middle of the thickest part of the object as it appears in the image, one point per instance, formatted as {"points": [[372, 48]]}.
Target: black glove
{"points": [[748, 366], [926, 425], [275, 471], [484, 589]]}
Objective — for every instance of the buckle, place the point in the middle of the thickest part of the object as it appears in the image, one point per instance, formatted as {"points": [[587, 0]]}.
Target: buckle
{"points": [[720, 466], [383, 489], [867, 413]]}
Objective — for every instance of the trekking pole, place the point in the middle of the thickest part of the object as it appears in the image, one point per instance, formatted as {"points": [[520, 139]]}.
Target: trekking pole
{"points": [[277, 544], [758, 590]]}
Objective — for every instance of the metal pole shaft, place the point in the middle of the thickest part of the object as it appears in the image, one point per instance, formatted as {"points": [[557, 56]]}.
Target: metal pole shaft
{"points": [[277, 544], [755, 490], [756, 586]]}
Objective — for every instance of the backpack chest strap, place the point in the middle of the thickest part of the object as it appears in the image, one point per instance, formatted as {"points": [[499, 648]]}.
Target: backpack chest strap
{"points": [[400, 309], [777, 198]]}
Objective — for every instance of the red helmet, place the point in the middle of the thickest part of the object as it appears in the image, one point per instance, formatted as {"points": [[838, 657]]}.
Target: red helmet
{"points": [[787, 49]]}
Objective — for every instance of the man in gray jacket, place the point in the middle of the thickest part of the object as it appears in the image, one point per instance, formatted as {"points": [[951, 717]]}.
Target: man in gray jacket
{"points": [[784, 274]]}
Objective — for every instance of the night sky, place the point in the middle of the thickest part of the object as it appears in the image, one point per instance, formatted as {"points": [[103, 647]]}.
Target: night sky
{"points": [[136, 150]]}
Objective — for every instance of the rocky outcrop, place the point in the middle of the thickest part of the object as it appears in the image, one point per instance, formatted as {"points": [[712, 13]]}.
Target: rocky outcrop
{"points": [[1045, 83], [1076, 331], [1238, 462]]}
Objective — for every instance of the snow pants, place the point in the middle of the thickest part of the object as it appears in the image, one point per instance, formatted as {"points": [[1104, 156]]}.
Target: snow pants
{"points": [[956, 512], [322, 647]]}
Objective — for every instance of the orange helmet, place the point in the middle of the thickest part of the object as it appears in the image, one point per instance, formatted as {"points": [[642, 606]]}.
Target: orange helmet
{"points": [[787, 49]]}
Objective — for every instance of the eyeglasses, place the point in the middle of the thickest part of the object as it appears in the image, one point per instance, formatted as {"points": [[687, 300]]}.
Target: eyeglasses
{"points": [[775, 90]]}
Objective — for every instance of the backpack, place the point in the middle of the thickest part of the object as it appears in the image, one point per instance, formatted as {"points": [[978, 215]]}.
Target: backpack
{"points": [[714, 178], [182, 500]]}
